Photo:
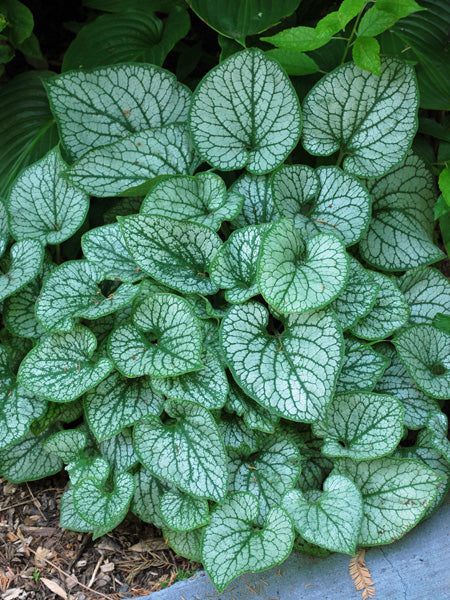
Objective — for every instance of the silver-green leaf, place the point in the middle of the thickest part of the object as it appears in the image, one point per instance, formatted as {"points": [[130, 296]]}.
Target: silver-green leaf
{"points": [[20, 267], [427, 292], [182, 512]]}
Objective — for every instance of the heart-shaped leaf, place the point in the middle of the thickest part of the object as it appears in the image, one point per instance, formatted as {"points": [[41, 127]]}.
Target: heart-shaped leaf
{"points": [[236, 435], [234, 267], [163, 340], [427, 292], [182, 512], [118, 451], [185, 543], [68, 516], [396, 382], [292, 374], [396, 493], [362, 425], [120, 100], [298, 275], [332, 518], [254, 415], [117, 402], [383, 116], [60, 368], [187, 450], [362, 367], [56, 312], [425, 352], [101, 508], [389, 313], [149, 490], [67, 444], [106, 248], [131, 162], [201, 199], [21, 267], [268, 473], [232, 545], [258, 122], [175, 253], [258, 207], [44, 206], [400, 234], [328, 199], [92, 467], [358, 297]]}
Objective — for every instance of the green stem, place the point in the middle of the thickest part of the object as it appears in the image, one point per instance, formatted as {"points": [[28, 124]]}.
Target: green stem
{"points": [[352, 35], [340, 157]]}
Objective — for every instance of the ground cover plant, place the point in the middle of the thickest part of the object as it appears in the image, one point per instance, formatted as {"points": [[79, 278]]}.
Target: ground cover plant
{"points": [[220, 306]]}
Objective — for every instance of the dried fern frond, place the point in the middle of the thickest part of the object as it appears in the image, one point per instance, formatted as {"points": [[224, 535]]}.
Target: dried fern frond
{"points": [[361, 575]]}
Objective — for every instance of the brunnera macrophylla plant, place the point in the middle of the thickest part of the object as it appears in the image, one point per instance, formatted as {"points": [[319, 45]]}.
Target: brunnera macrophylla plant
{"points": [[243, 343]]}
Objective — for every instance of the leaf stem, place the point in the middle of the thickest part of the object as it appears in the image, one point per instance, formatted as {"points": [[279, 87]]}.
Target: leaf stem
{"points": [[350, 39]]}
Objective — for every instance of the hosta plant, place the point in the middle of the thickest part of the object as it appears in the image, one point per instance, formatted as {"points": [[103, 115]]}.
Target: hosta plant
{"points": [[233, 337]]}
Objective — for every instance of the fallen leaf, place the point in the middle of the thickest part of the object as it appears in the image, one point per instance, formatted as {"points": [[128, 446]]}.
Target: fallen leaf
{"points": [[42, 554], [150, 545], [54, 587], [12, 594]]}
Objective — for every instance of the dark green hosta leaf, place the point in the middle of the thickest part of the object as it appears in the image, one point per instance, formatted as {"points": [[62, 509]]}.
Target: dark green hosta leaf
{"points": [[182, 512], [119, 100], [56, 310], [131, 162], [60, 368], [232, 546], [67, 444], [116, 402], [389, 313], [20, 267], [332, 518], [425, 352], [437, 426], [396, 382], [175, 253], [427, 292], [293, 375], [400, 234], [234, 266], [267, 473], [44, 206], [163, 340], [362, 367], [327, 200], [100, 508], [245, 113], [149, 490], [28, 460], [362, 425], [119, 452], [298, 275], [396, 493], [383, 116], [258, 207], [105, 247], [186, 543], [188, 452], [254, 415], [358, 297], [201, 199]]}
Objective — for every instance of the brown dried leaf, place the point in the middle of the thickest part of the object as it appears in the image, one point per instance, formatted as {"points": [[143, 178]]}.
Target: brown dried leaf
{"points": [[42, 554], [150, 545], [360, 575], [54, 587]]}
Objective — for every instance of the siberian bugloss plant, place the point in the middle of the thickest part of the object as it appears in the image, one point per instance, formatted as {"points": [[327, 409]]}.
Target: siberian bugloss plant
{"points": [[246, 342]]}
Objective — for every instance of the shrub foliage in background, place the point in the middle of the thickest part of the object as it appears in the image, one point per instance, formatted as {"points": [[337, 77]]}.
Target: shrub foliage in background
{"points": [[253, 334]]}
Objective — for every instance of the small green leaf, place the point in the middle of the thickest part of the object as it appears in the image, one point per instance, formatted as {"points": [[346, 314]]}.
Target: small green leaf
{"points": [[119, 100], [362, 367], [21, 267], [232, 545], [128, 163], [400, 232], [43, 206], [425, 352], [187, 450], [292, 375], [117, 402], [93, 467], [375, 21], [182, 512], [60, 368], [396, 493], [297, 275], [258, 207], [100, 508], [384, 116], [332, 518], [389, 313], [259, 120], [366, 54], [444, 184], [362, 425], [164, 339], [427, 292], [56, 311], [294, 62], [201, 199], [105, 248], [299, 39], [173, 252]]}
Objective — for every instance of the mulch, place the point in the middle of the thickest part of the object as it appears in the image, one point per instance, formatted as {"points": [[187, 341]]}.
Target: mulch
{"points": [[39, 560]]}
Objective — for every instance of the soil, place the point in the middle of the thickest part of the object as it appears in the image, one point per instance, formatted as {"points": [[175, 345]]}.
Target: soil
{"points": [[39, 560]]}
